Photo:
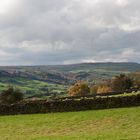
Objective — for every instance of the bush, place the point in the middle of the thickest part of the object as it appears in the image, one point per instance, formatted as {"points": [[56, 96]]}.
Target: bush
{"points": [[103, 89], [136, 79], [11, 95], [93, 90], [121, 83], [79, 89]]}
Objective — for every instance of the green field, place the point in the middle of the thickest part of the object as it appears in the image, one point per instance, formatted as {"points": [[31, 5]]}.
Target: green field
{"points": [[111, 124], [31, 87]]}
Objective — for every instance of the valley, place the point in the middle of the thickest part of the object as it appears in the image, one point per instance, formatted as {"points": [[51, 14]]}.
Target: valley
{"points": [[54, 80]]}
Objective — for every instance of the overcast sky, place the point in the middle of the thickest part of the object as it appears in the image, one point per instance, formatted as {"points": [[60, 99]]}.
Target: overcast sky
{"points": [[41, 32]]}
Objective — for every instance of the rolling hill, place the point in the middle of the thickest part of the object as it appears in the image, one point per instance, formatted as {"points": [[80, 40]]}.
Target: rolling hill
{"points": [[55, 79]]}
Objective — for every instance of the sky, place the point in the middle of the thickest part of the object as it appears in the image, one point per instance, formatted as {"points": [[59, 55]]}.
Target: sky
{"points": [[49, 32]]}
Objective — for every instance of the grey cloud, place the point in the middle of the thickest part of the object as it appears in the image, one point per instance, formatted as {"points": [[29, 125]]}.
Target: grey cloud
{"points": [[62, 31]]}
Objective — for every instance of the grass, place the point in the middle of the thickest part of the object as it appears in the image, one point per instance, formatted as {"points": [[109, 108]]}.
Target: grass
{"points": [[111, 124], [31, 87], [125, 94]]}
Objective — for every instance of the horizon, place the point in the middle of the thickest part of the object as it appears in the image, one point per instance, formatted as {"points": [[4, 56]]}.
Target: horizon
{"points": [[70, 64]]}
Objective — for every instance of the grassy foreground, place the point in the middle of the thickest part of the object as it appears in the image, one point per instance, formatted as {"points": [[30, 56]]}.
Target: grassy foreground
{"points": [[112, 124]]}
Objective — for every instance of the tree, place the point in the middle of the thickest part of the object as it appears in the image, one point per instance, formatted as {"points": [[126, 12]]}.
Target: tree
{"points": [[93, 89], [11, 95], [136, 79], [103, 89], [121, 83], [79, 89]]}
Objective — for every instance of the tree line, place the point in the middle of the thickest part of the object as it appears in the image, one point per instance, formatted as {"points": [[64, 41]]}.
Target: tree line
{"points": [[119, 83]]}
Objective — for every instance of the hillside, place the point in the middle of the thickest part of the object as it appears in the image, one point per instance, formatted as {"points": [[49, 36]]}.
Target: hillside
{"points": [[111, 124], [56, 79]]}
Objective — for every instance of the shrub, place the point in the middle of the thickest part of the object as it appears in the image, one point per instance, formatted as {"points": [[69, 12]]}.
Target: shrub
{"points": [[103, 89], [136, 79], [79, 89], [11, 95], [93, 89], [121, 83]]}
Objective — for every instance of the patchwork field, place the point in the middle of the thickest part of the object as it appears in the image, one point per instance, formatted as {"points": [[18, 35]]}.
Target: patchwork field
{"points": [[49, 80], [32, 87], [111, 124]]}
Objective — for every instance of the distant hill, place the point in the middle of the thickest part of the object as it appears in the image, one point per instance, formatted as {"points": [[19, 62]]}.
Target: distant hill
{"points": [[118, 66], [56, 78]]}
